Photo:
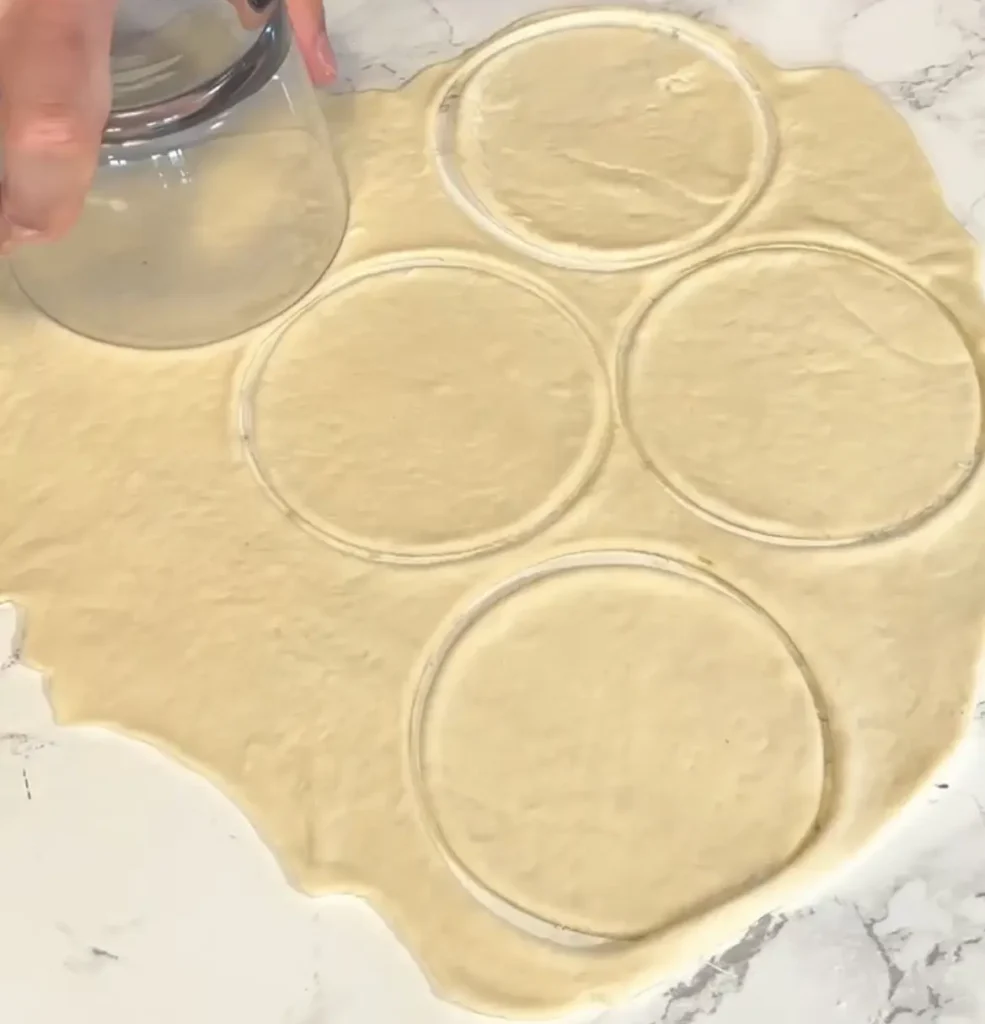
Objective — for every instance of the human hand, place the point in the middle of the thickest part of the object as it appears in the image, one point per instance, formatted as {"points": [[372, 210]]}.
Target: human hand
{"points": [[55, 95]]}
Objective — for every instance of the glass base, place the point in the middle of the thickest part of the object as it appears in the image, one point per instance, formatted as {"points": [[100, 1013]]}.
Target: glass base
{"points": [[201, 237]]}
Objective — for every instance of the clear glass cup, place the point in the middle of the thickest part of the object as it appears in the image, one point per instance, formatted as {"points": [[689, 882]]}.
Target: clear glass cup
{"points": [[218, 201]]}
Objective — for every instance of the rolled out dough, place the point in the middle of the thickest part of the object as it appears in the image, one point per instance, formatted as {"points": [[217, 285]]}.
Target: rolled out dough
{"points": [[574, 618], [680, 672], [681, 144]]}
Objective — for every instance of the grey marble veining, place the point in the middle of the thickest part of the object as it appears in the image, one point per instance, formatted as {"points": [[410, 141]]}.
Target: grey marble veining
{"points": [[901, 937], [131, 890]]}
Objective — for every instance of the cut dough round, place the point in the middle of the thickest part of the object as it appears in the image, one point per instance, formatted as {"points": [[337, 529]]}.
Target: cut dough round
{"points": [[597, 746], [611, 167], [429, 407], [803, 395], [614, 741]]}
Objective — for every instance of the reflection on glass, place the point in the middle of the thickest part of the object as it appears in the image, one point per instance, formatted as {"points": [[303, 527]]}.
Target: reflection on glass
{"points": [[214, 208]]}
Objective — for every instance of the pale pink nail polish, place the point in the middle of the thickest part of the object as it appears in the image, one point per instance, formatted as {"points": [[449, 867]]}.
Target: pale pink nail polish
{"points": [[19, 234], [326, 61]]}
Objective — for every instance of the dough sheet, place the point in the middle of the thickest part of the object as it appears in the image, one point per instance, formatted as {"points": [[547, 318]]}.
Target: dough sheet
{"points": [[593, 561]]}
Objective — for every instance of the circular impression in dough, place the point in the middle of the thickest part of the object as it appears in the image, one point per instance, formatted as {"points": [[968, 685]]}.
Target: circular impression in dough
{"points": [[801, 394], [604, 139], [427, 407], [613, 741]]}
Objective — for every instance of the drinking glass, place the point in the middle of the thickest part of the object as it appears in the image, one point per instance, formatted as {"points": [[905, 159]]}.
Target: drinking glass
{"points": [[218, 201]]}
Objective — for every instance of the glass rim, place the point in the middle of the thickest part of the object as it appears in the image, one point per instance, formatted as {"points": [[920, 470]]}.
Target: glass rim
{"points": [[242, 79]]}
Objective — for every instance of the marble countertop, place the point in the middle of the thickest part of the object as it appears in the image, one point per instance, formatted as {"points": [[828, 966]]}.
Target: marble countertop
{"points": [[131, 890]]}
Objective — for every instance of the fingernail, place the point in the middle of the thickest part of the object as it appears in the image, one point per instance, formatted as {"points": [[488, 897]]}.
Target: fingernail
{"points": [[19, 234], [326, 61], [34, 185], [12, 235]]}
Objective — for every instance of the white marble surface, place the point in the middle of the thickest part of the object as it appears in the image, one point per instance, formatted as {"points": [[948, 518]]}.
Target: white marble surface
{"points": [[131, 891]]}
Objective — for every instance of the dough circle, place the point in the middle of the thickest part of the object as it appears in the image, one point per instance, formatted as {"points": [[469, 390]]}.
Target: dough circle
{"points": [[571, 719], [428, 407], [609, 169], [829, 400], [521, 760]]}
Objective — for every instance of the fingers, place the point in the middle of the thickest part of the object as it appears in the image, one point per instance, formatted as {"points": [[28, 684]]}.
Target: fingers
{"points": [[308, 22], [55, 88], [55, 95]]}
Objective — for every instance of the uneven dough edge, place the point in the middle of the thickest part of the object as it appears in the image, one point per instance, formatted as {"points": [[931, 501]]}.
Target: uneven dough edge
{"points": [[469, 956]]}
